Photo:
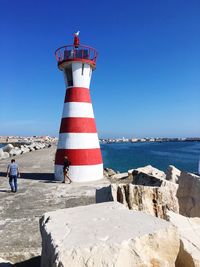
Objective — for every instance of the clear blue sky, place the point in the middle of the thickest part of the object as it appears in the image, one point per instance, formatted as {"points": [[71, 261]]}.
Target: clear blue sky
{"points": [[147, 81]]}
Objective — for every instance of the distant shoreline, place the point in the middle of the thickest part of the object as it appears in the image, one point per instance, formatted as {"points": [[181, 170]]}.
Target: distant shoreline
{"points": [[23, 141], [147, 140]]}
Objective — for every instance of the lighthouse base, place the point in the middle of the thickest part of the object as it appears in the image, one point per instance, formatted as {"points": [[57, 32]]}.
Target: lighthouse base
{"points": [[80, 173]]}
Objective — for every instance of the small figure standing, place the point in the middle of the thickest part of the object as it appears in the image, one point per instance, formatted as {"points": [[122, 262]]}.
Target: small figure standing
{"points": [[66, 169], [13, 173]]}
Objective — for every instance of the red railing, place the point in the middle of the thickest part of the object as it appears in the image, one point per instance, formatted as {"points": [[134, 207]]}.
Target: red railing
{"points": [[70, 52]]}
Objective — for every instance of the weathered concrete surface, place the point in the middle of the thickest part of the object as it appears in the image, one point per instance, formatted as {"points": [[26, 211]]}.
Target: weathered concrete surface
{"points": [[107, 234], [20, 212], [149, 170]]}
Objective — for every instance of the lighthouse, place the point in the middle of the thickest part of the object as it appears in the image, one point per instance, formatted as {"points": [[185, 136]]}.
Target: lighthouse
{"points": [[78, 138]]}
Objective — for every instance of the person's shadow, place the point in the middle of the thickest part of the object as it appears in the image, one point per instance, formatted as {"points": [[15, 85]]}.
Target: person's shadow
{"points": [[33, 262], [33, 176], [4, 191]]}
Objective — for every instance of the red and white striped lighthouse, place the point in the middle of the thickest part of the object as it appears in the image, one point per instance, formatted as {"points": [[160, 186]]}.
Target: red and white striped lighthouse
{"points": [[78, 138]]}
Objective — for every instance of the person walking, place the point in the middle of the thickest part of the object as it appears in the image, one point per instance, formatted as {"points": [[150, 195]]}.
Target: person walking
{"points": [[66, 165], [13, 173]]}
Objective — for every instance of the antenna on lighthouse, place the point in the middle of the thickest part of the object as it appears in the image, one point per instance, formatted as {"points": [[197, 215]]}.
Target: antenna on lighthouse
{"points": [[76, 39]]}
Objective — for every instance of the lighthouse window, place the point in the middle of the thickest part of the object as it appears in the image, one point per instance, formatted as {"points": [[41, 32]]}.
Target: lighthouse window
{"points": [[82, 68], [69, 77]]}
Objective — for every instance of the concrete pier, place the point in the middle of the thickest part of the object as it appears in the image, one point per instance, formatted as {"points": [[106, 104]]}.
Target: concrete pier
{"points": [[37, 194]]}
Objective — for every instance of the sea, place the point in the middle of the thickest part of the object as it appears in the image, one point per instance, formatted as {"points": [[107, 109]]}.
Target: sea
{"points": [[125, 156]]}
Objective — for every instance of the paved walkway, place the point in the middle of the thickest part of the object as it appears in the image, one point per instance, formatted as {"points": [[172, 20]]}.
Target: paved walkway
{"points": [[37, 194]]}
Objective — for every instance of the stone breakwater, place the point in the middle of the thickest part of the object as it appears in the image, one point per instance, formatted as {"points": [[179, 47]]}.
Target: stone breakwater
{"points": [[151, 190], [151, 227], [11, 150]]}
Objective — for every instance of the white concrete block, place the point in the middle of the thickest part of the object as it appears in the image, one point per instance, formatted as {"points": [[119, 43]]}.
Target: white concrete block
{"points": [[106, 234]]}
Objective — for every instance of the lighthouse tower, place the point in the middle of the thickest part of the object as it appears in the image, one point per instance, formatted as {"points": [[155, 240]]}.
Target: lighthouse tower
{"points": [[78, 139]]}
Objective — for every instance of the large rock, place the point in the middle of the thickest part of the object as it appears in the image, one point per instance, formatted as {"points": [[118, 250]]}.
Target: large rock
{"points": [[185, 186], [142, 178], [106, 234], [42, 145], [173, 174], [109, 172], [5, 155], [149, 170], [15, 151], [189, 229], [24, 149], [152, 200], [31, 148], [189, 194], [8, 148]]}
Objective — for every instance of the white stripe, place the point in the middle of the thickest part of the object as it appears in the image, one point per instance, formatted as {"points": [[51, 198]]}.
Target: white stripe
{"points": [[80, 174], [78, 109], [81, 74], [78, 140]]}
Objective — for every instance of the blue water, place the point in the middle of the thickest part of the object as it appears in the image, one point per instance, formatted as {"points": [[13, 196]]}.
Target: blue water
{"points": [[125, 156]]}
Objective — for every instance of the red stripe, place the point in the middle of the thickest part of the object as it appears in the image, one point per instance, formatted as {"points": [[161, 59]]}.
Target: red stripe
{"points": [[78, 125], [79, 156], [78, 94]]}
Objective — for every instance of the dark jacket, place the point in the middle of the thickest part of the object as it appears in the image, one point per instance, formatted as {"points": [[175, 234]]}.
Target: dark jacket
{"points": [[66, 164]]}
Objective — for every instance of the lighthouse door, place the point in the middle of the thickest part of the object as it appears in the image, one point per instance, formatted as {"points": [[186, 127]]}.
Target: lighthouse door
{"points": [[68, 77]]}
